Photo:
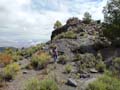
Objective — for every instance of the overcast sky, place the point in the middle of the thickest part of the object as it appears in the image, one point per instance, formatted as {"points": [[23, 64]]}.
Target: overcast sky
{"points": [[25, 22]]}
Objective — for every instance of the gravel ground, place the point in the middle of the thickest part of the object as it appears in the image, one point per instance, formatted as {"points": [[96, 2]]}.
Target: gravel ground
{"points": [[56, 71]]}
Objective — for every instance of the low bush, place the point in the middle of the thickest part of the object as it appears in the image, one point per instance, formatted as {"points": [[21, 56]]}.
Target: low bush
{"points": [[68, 68], [10, 71], [63, 59], [32, 84], [46, 84], [16, 57], [101, 66], [28, 52], [77, 57], [105, 83], [68, 35], [86, 61], [116, 65], [40, 61]]}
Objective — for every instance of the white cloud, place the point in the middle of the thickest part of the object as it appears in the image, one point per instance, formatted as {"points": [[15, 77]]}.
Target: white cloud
{"points": [[32, 20]]}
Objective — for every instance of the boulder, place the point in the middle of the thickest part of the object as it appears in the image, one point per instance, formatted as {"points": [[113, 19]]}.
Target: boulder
{"points": [[84, 75], [72, 82], [25, 72], [93, 70]]}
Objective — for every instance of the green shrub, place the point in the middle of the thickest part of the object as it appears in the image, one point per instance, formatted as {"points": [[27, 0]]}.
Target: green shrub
{"points": [[116, 65], [105, 83], [77, 57], [99, 57], [40, 61], [16, 57], [86, 61], [59, 36], [32, 84], [98, 85], [46, 84], [63, 59], [68, 68], [68, 35], [101, 66], [57, 24], [28, 52], [10, 71]]}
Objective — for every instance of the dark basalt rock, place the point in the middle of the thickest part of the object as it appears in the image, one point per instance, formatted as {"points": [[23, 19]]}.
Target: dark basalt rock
{"points": [[84, 75], [70, 24], [59, 31]]}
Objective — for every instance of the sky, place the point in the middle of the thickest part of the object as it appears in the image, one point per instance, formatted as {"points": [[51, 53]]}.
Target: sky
{"points": [[28, 22]]}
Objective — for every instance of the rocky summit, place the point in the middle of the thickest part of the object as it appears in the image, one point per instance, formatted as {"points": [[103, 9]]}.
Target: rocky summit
{"points": [[85, 38]]}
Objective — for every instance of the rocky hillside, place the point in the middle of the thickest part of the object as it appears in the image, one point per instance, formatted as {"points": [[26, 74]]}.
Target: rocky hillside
{"points": [[77, 37], [84, 55]]}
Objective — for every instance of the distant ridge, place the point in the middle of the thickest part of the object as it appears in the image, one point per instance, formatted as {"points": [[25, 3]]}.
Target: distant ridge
{"points": [[3, 48]]}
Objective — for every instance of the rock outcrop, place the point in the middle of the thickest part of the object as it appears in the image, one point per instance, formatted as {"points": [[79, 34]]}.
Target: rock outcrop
{"points": [[88, 38]]}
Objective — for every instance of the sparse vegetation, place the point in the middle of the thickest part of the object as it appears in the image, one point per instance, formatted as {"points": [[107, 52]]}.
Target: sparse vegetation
{"points": [[40, 61], [105, 83], [116, 65], [32, 84], [101, 66], [87, 61], [16, 57], [68, 68], [57, 24], [28, 52], [46, 84], [82, 56], [63, 59], [68, 35], [77, 57], [10, 71]]}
